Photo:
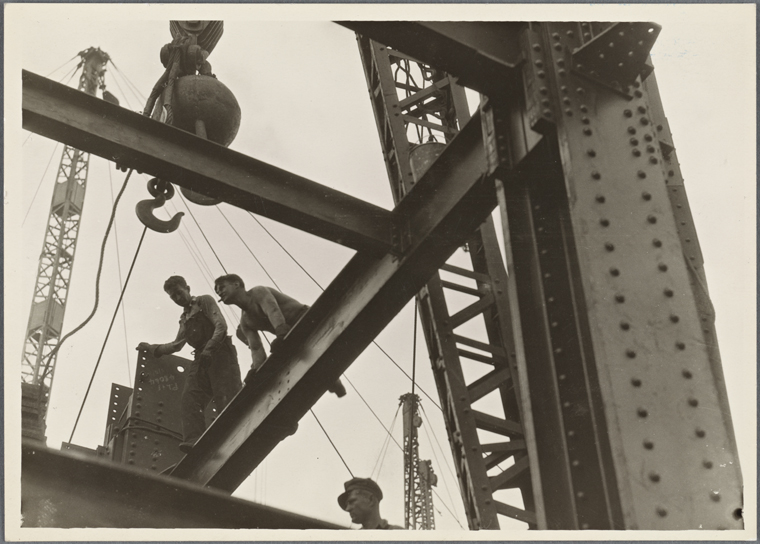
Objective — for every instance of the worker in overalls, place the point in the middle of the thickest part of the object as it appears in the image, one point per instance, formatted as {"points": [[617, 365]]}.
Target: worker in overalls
{"points": [[264, 309], [214, 372]]}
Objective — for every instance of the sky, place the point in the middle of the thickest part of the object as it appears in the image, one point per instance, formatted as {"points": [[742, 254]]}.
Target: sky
{"points": [[299, 81]]}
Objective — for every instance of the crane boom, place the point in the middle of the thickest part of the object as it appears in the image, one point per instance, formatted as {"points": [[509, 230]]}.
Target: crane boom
{"points": [[56, 261]]}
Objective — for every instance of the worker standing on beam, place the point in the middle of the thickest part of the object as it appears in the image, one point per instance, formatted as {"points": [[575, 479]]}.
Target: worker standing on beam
{"points": [[361, 499], [264, 309], [214, 372]]}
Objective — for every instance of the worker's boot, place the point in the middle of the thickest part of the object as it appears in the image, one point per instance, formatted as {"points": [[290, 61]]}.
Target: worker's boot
{"points": [[338, 388]]}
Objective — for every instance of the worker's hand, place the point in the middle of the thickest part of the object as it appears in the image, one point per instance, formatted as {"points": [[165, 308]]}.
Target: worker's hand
{"points": [[282, 330], [205, 358], [276, 344], [150, 348], [240, 335]]}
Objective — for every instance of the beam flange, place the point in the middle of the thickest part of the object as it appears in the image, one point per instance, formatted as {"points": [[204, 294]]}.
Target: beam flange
{"points": [[96, 126], [443, 209]]}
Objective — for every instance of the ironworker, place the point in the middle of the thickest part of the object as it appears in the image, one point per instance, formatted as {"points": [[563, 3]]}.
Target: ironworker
{"points": [[361, 499], [264, 309], [214, 372]]}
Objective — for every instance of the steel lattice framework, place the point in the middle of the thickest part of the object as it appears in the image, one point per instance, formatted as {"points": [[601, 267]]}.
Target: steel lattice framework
{"points": [[418, 475], [56, 262]]}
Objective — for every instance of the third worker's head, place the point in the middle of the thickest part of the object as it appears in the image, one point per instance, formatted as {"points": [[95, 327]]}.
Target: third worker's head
{"points": [[229, 287], [178, 290]]}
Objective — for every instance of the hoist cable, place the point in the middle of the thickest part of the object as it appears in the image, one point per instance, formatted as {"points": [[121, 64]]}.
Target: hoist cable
{"points": [[121, 282], [438, 462], [322, 288], [194, 243], [123, 94], [110, 326], [55, 350], [248, 248], [61, 66], [370, 408], [387, 440], [41, 179], [331, 442], [136, 91], [202, 233]]}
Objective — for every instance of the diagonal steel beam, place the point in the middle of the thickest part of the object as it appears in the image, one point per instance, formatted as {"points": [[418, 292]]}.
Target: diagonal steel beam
{"points": [[443, 209], [96, 126], [484, 56]]}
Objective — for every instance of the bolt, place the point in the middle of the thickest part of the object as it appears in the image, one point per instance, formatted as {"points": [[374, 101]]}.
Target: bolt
{"points": [[631, 130], [630, 353], [628, 113], [641, 412], [648, 444], [656, 243], [609, 246], [646, 196], [636, 382], [634, 141], [707, 464], [619, 298], [591, 153], [615, 272], [604, 222], [686, 374], [600, 199], [661, 512], [625, 325], [653, 160], [596, 175], [693, 402], [654, 477], [636, 153], [699, 432], [663, 267], [641, 174], [587, 131], [668, 292]]}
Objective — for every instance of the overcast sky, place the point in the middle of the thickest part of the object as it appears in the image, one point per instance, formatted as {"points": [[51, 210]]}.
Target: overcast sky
{"points": [[305, 109]]}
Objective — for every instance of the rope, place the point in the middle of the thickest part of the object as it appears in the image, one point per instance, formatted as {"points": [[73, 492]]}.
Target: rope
{"points": [[97, 281], [331, 442], [135, 90], [40, 183], [108, 333], [62, 65]]}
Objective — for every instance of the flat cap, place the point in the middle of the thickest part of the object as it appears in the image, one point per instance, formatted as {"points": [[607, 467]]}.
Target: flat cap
{"points": [[364, 484]]}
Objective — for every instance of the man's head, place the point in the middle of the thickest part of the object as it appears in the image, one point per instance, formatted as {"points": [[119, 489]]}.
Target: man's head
{"points": [[361, 499], [228, 286], [178, 290]]}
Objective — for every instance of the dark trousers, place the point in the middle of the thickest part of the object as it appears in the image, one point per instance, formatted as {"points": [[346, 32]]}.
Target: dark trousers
{"points": [[219, 379]]}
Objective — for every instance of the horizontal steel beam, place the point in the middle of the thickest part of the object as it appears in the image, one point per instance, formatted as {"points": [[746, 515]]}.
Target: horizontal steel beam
{"points": [[484, 56], [443, 209], [114, 133], [67, 490]]}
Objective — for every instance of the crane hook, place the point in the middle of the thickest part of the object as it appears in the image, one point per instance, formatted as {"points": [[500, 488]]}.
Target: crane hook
{"points": [[161, 191]]}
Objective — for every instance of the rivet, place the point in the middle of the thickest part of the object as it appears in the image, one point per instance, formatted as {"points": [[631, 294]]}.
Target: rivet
{"points": [[646, 196], [715, 496], [628, 113], [642, 109], [636, 84], [615, 272], [580, 90], [596, 175], [671, 173], [554, 324], [681, 346], [550, 299], [653, 160], [609, 246], [662, 512], [656, 243], [543, 90], [663, 267], [570, 33], [547, 275], [587, 131], [641, 412], [547, 113], [563, 88], [585, 120], [591, 153], [541, 74], [585, 526], [539, 63], [568, 112], [648, 444], [580, 495], [641, 174], [558, 351], [674, 318], [536, 47], [131, 461], [566, 101], [668, 292], [636, 382], [561, 377], [558, 47], [625, 325], [636, 153], [630, 354], [587, 35], [650, 148], [600, 198], [576, 463], [699, 432], [545, 103], [562, 72], [648, 137], [654, 476], [693, 402], [659, 128], [619, 298], [631, 130], [584, 108], [707, 464], [566, 405], [555, 36], [638, 94], [604, 222], [570, 434], [652, 219], [634, 141], [686, 374]]}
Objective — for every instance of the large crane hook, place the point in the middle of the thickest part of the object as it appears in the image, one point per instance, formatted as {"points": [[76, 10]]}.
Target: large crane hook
{"points": [[161, 191]]}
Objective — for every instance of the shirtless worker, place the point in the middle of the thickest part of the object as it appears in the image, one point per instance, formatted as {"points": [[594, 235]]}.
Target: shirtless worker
{"points": [[264, 309], [214, 372]]}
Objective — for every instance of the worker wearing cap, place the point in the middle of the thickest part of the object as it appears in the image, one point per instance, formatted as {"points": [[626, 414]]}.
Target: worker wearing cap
{"points": [[361, 499]]}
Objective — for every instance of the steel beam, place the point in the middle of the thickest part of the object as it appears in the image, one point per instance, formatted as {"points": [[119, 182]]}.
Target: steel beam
{"points": [[443, 209], [114, 133], [70, 490]]}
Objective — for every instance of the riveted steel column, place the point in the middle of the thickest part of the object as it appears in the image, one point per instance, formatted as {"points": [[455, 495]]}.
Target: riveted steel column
{"points": [[663, 456]]}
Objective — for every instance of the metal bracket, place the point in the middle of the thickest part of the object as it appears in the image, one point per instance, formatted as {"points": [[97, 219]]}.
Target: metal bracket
{"points": [[401, 237], [617, 56]]}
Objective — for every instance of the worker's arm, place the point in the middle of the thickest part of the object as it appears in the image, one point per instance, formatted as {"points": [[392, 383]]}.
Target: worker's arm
{"points": [[157, 350], [211, 310], [252, 339], [269, 306]]}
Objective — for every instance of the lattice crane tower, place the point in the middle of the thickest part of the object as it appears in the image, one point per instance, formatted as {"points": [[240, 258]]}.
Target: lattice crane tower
{"points": [[56, 261], [419, 478]]}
